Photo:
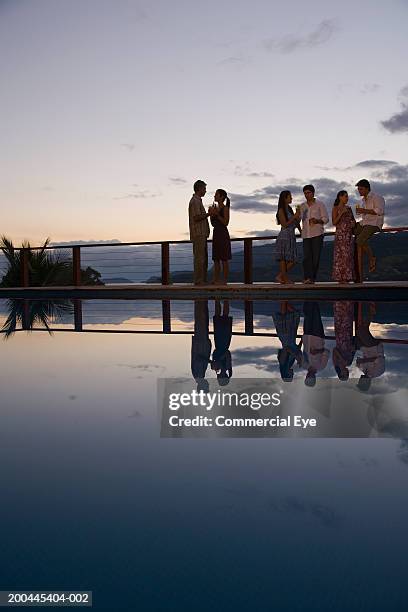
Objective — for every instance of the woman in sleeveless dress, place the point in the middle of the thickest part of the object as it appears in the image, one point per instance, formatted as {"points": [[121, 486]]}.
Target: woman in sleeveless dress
{"points": [[221, 244], [343, 250], [286, 240]]}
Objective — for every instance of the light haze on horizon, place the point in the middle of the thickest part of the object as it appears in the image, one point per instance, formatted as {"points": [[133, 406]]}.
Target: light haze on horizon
{"points": [[111, 109]]}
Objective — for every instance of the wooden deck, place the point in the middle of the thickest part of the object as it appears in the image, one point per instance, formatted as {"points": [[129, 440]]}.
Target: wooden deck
{"points": [[380, 291]]}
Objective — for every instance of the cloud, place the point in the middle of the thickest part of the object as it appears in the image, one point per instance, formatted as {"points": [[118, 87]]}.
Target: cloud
{"points": [[248, 203], [128, 146], [177, 180], [366, 164], [387, 177], [369, 88], [142, 194], [322, 33], [398, 122], [246, 171], [234, 60], [326, 515]]}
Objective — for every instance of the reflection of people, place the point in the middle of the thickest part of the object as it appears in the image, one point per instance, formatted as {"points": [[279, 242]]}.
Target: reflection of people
{"points": [[343, 250], [286, 240], [344, 351], [221, 245], [200, 345], [221, 358], [314, 216], [372, 363], [315, 354], [199, 232], [287, 323], [372, 211]]}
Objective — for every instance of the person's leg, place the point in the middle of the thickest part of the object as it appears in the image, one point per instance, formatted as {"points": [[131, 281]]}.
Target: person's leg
{"points": [[216, 272], [317, 245], [205, 259], [196, 260], [200, 260], [282, 277], [225, 270], [364, 234], [307, 259]]}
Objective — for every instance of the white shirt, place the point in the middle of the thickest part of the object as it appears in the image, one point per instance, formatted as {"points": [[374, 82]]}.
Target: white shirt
{"points": [[317, 210], [377, 203], [374, 368], [317, 360]]}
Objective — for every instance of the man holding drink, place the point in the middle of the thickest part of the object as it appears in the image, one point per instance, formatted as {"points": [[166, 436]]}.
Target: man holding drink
{"points": [[372, 212]]}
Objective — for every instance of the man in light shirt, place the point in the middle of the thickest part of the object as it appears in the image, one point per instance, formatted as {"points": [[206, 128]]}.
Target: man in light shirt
{"points": [[314, 216], [315, 354], [372, 211], [199, 232]]}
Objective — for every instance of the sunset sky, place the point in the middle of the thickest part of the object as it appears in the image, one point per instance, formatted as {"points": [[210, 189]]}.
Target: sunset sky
{"points": [[110, 109]]}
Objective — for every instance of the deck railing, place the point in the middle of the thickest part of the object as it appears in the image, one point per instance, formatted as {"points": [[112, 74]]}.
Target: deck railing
{"points": [[76, 251]]}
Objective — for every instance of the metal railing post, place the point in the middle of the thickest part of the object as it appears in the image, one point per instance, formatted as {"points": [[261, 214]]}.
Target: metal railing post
{"points": [[76, 265], [166, 313], [24, 272], [165, 263], [249, 317], [248, 261], [77, 315]]}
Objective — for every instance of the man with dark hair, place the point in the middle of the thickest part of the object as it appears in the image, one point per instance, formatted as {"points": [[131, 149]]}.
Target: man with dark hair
{"points": [[199, 232], [314, 215], [372, 211]]}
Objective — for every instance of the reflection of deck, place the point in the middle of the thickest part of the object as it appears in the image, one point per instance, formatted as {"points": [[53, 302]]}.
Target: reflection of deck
{"points": [[382, 291]]}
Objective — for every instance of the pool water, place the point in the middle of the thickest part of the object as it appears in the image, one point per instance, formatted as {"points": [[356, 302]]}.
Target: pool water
{"points": [[94, 499]]}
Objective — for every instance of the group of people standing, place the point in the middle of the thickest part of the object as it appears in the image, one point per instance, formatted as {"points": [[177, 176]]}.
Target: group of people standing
{"points": [[308, 351], [351, 241]]}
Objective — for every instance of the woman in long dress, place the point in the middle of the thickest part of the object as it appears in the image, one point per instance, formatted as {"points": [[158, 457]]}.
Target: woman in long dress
{"points": [[286, 241], [343, 252], [221, 244]]}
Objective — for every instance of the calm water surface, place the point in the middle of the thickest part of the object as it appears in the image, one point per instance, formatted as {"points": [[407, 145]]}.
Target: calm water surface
{"points": [[94, 499]]}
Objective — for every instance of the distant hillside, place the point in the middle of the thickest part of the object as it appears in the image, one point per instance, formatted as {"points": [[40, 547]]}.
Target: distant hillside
{"points": [[391, 251]]}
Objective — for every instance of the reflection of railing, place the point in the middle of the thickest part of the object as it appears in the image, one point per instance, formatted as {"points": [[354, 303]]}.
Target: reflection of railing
{"points": [[157, 252], [249, 330]]}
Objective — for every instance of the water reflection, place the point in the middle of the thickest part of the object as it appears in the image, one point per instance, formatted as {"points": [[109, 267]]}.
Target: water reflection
{"points": [[310, 340], [221, 361], [200, 345]]}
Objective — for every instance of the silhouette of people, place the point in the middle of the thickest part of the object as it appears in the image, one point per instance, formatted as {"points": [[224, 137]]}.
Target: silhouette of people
{"points": [[200, 345], [286, 241], [221, 245], [221, 358], [199, 232], [314, 217], [343, 250], [372, 363], [372, 211], [315, 354], [287, 322], [344, 351]]}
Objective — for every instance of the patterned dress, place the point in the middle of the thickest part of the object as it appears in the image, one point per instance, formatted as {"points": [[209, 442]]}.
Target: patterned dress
{"points": [[343, 253], [343, 329], [286, 242]]}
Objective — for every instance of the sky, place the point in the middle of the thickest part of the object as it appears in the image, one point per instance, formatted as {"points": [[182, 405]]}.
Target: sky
{"points": [[111, 109]]}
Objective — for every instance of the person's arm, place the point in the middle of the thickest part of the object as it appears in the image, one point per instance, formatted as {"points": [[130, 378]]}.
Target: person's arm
{"points": [[197, 214], [324, 217], [337, 212], [286, 223], [378, 208], [224, 219]]}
